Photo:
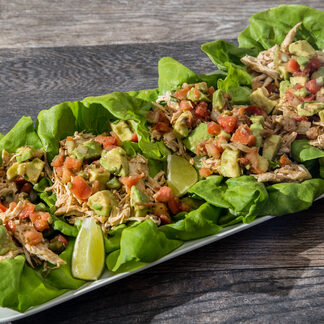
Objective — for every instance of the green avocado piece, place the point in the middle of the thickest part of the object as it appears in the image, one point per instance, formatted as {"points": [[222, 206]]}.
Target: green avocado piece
{"points": [[122, 130], [259, 98], [113, 183], [224, 134], [115, 161], [318, 73], [321, 115], [301, 92], [24, 153], [137, 196], [102, 202], [302, 48], [180, 127], [229, 164], [257, 119], [29, 170], [12, 172], [263, 163], [202, 86], [298, 80], [271, 146], [192, 96], [302, 61], [197, 136], [6, 242], [309, 108], [101, 175], [219, 100], [88, 150], [256, 129], [284, 74], [284, 86]]}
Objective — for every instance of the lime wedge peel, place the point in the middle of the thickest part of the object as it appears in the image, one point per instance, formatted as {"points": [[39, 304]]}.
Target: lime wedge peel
{"points": [[181, 174], [88, 257]]}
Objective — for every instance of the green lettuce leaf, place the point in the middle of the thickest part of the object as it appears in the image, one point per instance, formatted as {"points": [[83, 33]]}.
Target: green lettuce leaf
{"points": [[67, 229], [147, 95], [302, 151]]}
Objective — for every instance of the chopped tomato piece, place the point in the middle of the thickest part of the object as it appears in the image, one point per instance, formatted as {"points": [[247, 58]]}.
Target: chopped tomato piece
{"points": [[292, 66], [165, 219], [201, 149], [131, 181], [253, 157], [163, 118], [212, 150], [27, 211], [59, 171], [134, 138], [255, 110], [10, 225], [204, 172], [186, 105], [164, 194], [27, 187], [314, 64], [201, 110], [243, 161], [312, 86], [80, 188], [62, 239], [58, 160], [214, 128], [162, 127], [301, 118], [72, 164], [310, 97], [211, 90], [33, 237], [40, 220], [284, 160], [228, 123], [181, 93], [220, 140], [174, 205], [244, 136], [196, 93], [108, 142], [3, 208], [66, 175]]}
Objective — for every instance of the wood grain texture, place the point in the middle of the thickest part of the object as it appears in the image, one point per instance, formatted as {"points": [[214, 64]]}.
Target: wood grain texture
{"points": [[273, 273], [36, 23]]}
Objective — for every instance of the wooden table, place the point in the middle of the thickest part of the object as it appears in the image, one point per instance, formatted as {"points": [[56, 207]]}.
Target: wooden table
{"points": [[273, 273]]}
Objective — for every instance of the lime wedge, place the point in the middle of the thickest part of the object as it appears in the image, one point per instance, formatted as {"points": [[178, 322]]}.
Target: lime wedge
{"points": [[89, 253], [181, 174]]}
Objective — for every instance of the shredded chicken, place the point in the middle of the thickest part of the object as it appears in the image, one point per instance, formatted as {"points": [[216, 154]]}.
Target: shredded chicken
{"points": [[319, 142], [289, 39], [256, 65]]}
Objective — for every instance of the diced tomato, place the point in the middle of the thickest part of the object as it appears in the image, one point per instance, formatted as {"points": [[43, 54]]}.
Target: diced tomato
{"points": [[201, 110], [164, 194], [255, 110], [304, 72], [10, 226], [211, 90], [243, 161], [301, 118], [40, 220], [163, 118], [244, 136], [59, 171], [134, 138], [284, 160], [72, 164], [270, 87], [3, 208], [228, 123], [27, 187], [308, 98], [108, 142], [312, 86], [80, 188], [27, 211], [292, 66], [204, 172], [292, 98], [181, 93], [162, 127], [186, 105], [33, 237], [196, 93], [253, 157], [213, 128], [131, 181], [62, 239], [165, 219], [219, 141], [201, 149], [58, 160], [212, 150], [314, 64], [174, 205], [66, 175]]}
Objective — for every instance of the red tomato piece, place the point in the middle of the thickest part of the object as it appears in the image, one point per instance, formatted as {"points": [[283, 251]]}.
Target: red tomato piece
{"points": [[204, 172], [66, 175], [58, 160], [212, 150], [59, 171], [164, 194], [174, 205], [253, 158], [108, 142], [314, 64], [255, 110], [10, 226], [27, 187], [72, 164], [3, 208], [310, 97], [292, 66], [221, 140], [181, 93], [40, 220], [211, 90], [202, 111], [33, 237], [131, 180], [80, 188], [312, 86], [186, 105], [134, 138], [284, 160], [301, 118], [228, 123], [244, 136], [213, 128], [62, 239], [162, 127], [27, 211]]}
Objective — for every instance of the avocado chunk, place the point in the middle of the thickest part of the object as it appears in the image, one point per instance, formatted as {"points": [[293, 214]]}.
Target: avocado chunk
{"points": [[180, 127], [29, 170], [6, 242], [301, 92], [137, 197], [256, 129], [191, 95], [24, 153], [88, 150], [113, 183], [259, 98], [197, 136], [309, 108], [12, 172], [302, 61], [115, 161], [302, 48], [102, 202], [224, 134], [122, 130], [284, 74], [318, 73], [219, 100], [101, 175], [263, 163], [257, 119], [229, 164], [271, 146], [321, 115], [298, 80], [201, 86], [284, 86]]}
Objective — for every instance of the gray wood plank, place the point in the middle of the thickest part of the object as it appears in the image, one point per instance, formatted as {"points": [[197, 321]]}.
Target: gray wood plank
{"points": [[36, 23]]}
